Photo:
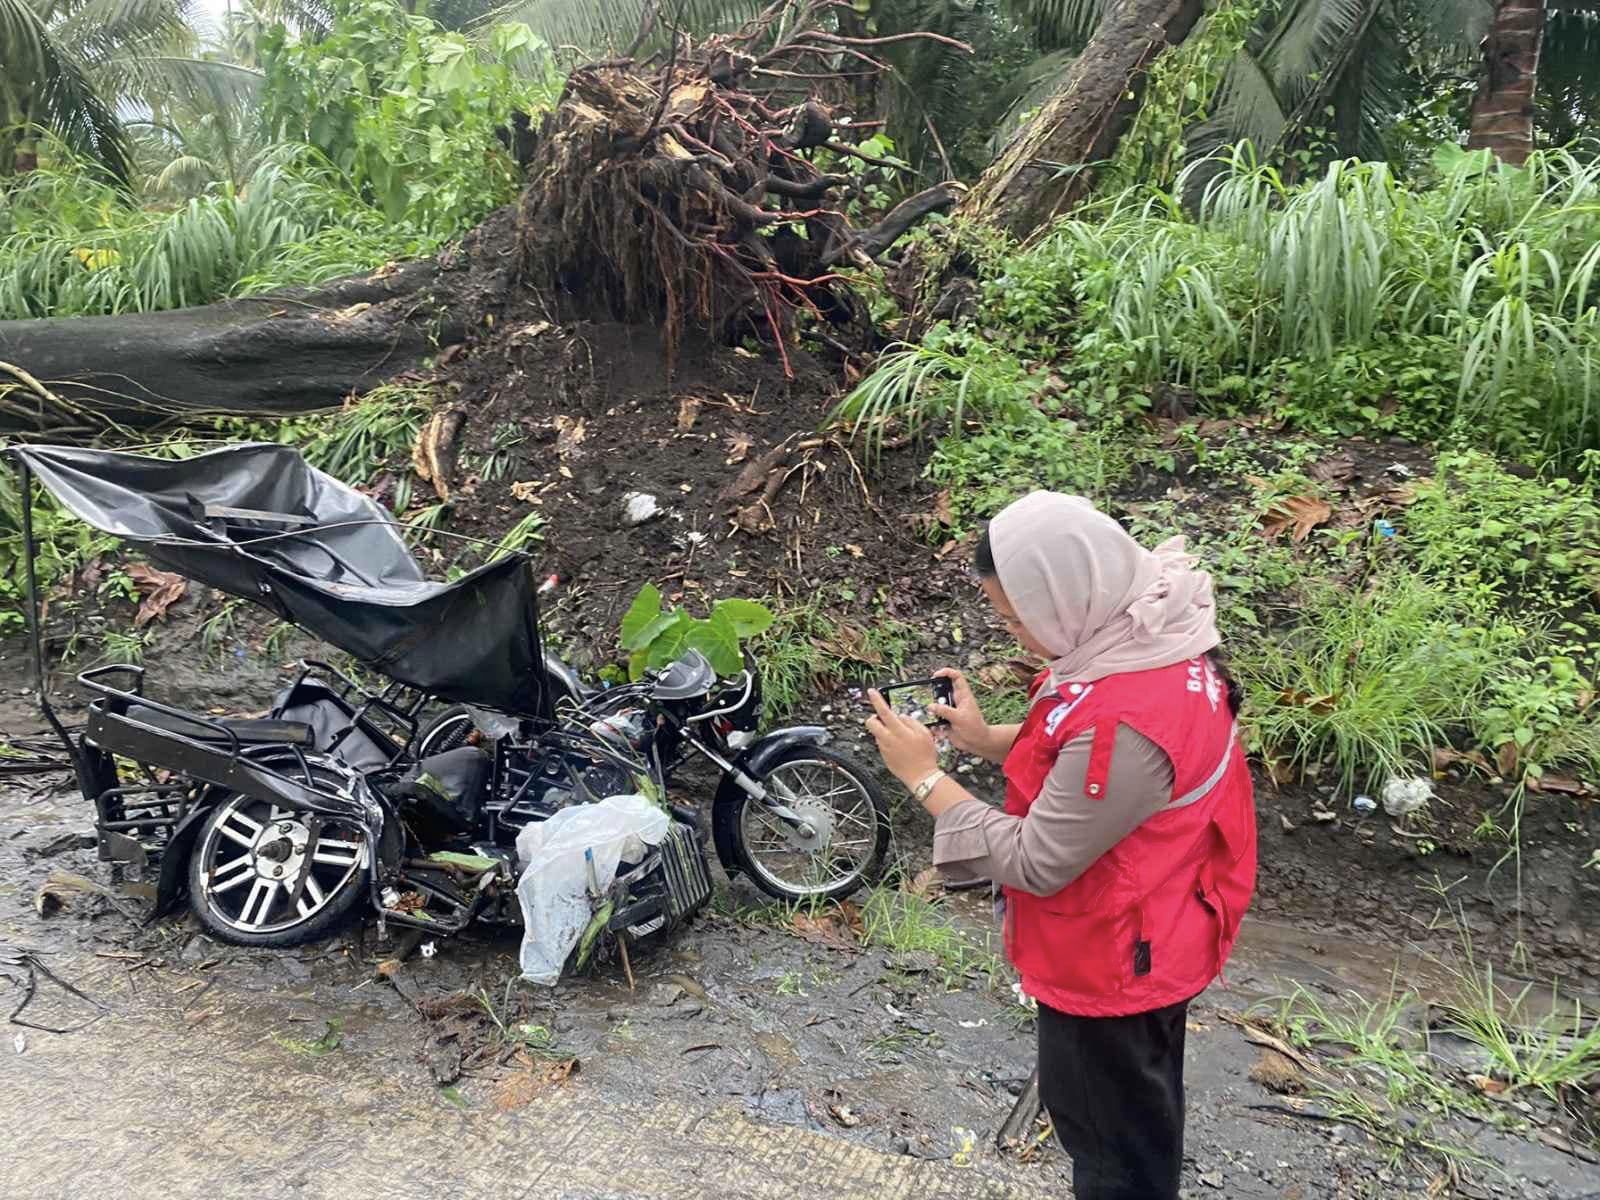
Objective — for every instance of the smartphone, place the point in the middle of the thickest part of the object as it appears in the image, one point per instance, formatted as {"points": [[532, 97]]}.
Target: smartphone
{"points": [[915, 699]]}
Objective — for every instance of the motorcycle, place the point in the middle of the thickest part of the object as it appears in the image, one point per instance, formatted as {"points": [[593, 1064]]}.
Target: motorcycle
{"points": [[278, 829]]}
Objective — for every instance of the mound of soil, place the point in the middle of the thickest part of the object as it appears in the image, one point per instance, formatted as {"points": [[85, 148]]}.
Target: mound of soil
{"points": [[714, 478]]}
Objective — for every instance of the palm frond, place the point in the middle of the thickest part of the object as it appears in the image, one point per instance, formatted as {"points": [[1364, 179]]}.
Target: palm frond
{"points": [[101, 30], [1306, 33], [62, 97], [1058, 24], [614, 25]]}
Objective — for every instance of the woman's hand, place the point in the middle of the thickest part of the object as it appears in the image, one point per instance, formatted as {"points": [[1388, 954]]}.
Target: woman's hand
{"points": [[969, 732], [907, 746]]}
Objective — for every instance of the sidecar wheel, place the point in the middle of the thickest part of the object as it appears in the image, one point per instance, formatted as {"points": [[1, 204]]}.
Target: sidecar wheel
{"points": [[248, 865], [847, 838]]}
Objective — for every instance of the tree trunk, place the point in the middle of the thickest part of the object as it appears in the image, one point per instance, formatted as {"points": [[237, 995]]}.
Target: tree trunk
{"points": [[1502, 110], [1045, 169], [284, 352]]}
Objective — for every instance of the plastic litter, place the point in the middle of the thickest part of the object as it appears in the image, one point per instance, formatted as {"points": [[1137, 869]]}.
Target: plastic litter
{"points": [[1364, 804], [554, 888], [639, 507], [1383, 528], [1403, 795]]}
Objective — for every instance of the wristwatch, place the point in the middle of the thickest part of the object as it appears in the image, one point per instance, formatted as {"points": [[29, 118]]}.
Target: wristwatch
{"points": [[925, 789]]}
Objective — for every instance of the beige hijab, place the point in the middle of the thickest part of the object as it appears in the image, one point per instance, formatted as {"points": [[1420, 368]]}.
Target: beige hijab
{"points": [[1095, 598]]}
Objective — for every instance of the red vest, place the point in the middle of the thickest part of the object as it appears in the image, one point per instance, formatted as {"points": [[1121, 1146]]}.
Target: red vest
{"points": [[1152, 920]]}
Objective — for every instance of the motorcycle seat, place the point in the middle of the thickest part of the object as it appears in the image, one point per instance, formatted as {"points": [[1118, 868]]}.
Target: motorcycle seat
{"points": [[249, 731], [446, 791]]}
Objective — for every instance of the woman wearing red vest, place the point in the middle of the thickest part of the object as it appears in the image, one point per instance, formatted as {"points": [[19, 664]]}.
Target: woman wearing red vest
{"points": [[1126, 849]]}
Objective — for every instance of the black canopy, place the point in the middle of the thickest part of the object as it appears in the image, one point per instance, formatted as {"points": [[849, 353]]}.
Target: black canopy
{"points": [[259, 522]]}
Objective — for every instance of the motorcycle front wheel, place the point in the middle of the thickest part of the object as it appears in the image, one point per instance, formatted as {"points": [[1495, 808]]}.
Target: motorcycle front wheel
{"points": [[844, 839]]}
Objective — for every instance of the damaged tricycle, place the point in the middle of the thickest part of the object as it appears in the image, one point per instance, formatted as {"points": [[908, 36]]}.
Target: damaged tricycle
{"points": [[412, 797]]}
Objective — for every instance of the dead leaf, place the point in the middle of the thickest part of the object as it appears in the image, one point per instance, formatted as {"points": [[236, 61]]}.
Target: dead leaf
{"points": [[1506, 759], [688, 410], [840, 927], [855, 551], [1301, 514], [686, 97], [433, 453], [1319, 706], [1322, 816], [738, 448], [1444, 756], [159, 591], [521, 1088], [1281, 771], [1288, 825], [1557, 783], [526, 490], [529, 332], [924, 883], [941, 509], [1277, 1073], [848, 643], [1257, 1036], [1487, 1085], [1336, 468], [570, 434]]}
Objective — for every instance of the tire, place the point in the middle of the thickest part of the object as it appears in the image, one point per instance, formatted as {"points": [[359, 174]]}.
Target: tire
{"points": [[228, 862], [447, 731], [775, 857]]}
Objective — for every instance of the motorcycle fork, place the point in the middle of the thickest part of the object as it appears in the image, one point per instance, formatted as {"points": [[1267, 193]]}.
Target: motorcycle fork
{"points": [[750, 786]]}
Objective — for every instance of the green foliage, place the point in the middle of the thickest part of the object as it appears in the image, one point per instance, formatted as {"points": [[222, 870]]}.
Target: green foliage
{"points": [[950, 375], [1334, 299], [1178, 97], [984, 470], [1369, 682], [1474, 519], [407, 112], [72, 243], [808, 650], [351, 443], [62, 544], [914, 925], [655, 637]]}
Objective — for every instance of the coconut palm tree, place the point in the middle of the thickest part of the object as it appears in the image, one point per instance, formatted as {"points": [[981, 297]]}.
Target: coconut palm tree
{"points": [[74, 68]]}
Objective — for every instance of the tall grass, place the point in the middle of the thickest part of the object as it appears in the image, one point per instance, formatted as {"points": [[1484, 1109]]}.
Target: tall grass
{"points": [[73, 243], [1501, 262], [1372, 684]]}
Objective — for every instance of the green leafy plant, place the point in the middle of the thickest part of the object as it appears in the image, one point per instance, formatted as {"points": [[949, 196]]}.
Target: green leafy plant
{"points": [[985, 469], [405, 110], [951, 374], [655, 637], [1368, 682]]}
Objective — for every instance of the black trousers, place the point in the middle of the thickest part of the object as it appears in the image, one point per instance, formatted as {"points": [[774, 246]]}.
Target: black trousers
{"points": [[1114, 1088]]}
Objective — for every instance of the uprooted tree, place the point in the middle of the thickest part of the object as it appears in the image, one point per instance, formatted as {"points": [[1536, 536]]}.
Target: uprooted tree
{"points": [[704, 186]]}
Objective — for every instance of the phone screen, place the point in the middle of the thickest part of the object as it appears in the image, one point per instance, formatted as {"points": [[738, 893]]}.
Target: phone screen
{"points": [[916, 700]]}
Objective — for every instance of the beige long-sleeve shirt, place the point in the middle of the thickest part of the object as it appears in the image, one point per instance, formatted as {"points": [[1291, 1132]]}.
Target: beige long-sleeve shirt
{"points": [[1064, 831]]}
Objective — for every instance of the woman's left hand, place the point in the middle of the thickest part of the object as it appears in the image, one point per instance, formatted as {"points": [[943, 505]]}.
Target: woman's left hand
{"points": [[907, 746]]}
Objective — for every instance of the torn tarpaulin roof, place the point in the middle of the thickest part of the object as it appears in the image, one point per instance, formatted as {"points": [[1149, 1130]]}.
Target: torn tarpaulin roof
{"points": [[257, 521]]}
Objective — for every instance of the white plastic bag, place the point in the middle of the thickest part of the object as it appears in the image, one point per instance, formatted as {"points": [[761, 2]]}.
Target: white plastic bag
{"points": [[554, 888]]}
